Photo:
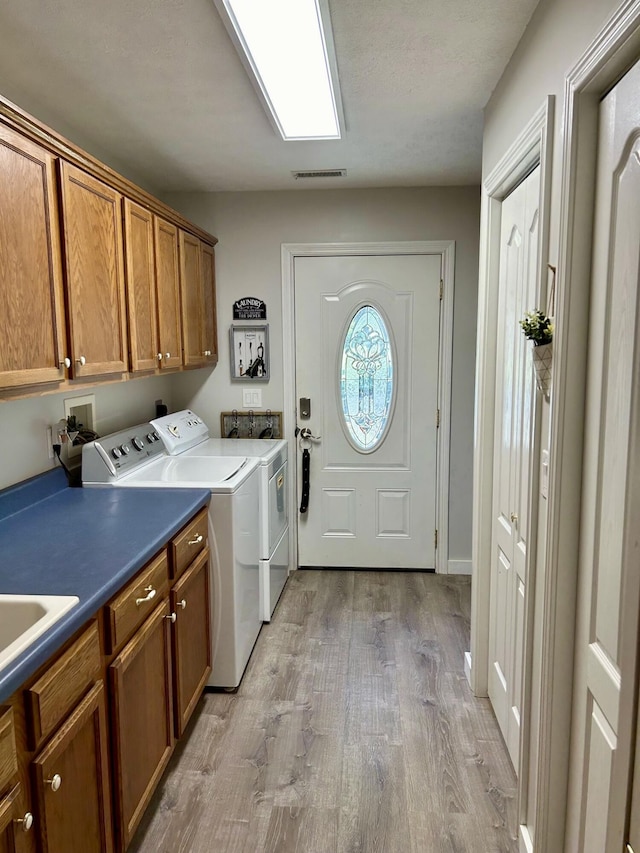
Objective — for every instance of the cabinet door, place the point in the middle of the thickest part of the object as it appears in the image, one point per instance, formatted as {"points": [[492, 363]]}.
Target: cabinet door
{"points": [[192, 308], [141, 287], [8, 816], [32, 343], [72, 782], [191, 638], [142, 715], [92, 222], [168, 291], [209, 324]]}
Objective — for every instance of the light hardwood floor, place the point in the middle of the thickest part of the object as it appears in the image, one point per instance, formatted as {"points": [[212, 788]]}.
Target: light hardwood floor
{"points": [[353, 731]]}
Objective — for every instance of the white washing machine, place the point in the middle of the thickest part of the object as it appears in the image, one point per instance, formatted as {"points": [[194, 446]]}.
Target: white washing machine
{"points": [[274, 509], [136, 458]]}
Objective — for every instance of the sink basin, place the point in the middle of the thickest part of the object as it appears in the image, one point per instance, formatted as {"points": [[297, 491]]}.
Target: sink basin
{"points": [[24, 618]]}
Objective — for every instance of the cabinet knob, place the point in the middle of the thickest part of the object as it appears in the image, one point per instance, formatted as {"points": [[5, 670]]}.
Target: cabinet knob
{"points": [[171, 617], [159, 356], [514, 518], [54, 782], [197, 539], [182, 603], [167, 355], [81, 361], [66, 362], [26, 822], [151, 593], [207, 352]]}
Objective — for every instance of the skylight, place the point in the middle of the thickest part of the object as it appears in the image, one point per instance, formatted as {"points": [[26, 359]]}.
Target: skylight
{"points": [[288, 51]]}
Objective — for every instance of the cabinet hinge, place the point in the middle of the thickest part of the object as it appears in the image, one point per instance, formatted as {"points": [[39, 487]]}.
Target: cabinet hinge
{"points": [[437, 418], [441, 289], [435, 539]]}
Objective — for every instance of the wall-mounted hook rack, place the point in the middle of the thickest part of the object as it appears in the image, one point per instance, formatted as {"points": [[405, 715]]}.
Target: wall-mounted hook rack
{"points": [[251, 424]]}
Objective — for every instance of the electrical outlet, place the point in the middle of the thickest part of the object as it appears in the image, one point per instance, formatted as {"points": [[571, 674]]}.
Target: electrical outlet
{"points": [[50, 442]]}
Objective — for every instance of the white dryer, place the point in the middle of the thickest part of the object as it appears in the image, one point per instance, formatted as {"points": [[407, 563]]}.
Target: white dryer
{"points": [[274, 490]]}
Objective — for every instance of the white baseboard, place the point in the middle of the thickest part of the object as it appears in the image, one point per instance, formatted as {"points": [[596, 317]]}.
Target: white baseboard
{"points": [[467, 666], [459, 567], [525, 844]]}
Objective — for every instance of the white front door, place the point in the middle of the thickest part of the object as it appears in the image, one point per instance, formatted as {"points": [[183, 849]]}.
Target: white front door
{"points": [[512, 457], [367, 343], [607, 629]]}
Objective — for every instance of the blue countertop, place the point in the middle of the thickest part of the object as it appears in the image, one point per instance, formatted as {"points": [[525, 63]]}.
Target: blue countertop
{"points": [[88, 542]]}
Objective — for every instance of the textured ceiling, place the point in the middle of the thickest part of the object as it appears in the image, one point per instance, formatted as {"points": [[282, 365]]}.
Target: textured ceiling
{"points": [[155, 88]]}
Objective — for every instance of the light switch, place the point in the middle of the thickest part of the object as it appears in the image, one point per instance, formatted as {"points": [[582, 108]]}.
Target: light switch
{"points": [[252, 398]]}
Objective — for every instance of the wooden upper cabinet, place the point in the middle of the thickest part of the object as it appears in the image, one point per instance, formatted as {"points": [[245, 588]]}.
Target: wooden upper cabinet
{"points": [[197, 282], [141, 286], [168, 294], [92, 229], [191, 291], [32, 343], [209, 322]]}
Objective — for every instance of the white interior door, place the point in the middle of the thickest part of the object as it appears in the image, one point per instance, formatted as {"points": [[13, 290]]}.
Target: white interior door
{"points": [[515, 389], [372, 321], [607, 631]]}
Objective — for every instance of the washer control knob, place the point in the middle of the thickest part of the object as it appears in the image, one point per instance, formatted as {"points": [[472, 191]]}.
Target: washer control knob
{"points": [[116, 453], [150, 438], [156, 437], [138, 443], [125, 449]]}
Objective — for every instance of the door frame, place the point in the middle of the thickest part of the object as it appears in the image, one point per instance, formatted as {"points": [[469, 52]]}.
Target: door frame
{"points": [[446, 250], [612, 52], [533, 147]]}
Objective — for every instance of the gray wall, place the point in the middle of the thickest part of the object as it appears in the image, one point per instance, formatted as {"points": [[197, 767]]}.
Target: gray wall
{"points": [[23, 423], [251, 228]]}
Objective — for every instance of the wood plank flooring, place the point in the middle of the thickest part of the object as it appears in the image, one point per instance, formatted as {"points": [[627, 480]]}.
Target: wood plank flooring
{"points": [[353, 731]]}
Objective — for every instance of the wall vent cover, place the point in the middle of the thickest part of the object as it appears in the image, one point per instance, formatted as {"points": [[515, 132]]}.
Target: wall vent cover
{"points": [[321, 173]]}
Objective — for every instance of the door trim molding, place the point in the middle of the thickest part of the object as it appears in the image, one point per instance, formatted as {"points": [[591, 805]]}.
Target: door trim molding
{"points": [[612, 52], [531, 148], [446, 250]]}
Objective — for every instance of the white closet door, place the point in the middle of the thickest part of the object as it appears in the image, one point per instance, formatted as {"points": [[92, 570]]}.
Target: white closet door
{"points": [[607, 631], [512, 454]]}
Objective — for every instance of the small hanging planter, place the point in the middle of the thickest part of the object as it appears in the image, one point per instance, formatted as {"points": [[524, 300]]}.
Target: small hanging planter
{"points": [[542, 361], [538, 327]]}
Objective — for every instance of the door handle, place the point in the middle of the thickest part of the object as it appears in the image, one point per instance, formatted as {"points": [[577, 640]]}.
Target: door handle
{"points": [[306, 433]]}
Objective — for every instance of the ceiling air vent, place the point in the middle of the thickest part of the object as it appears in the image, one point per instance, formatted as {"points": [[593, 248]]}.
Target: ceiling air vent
{"points": [[321, 173]]}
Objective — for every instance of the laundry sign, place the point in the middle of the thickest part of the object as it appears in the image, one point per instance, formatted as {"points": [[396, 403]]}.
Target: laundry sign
{"points": [[249, 308]]}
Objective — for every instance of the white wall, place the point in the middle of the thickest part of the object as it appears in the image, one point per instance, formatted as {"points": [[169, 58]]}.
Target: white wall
{"points": [[23, 423], [251, 227], [558, 33]]}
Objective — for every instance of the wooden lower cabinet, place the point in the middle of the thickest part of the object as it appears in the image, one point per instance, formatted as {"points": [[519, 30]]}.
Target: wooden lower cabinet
{"points": [[8, 817], [71, 782], [142, 720], [84, 743], [191, 638]]}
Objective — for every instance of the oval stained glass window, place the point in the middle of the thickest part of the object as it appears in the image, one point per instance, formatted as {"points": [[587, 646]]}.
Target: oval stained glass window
{"points": [[366, 379]]}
